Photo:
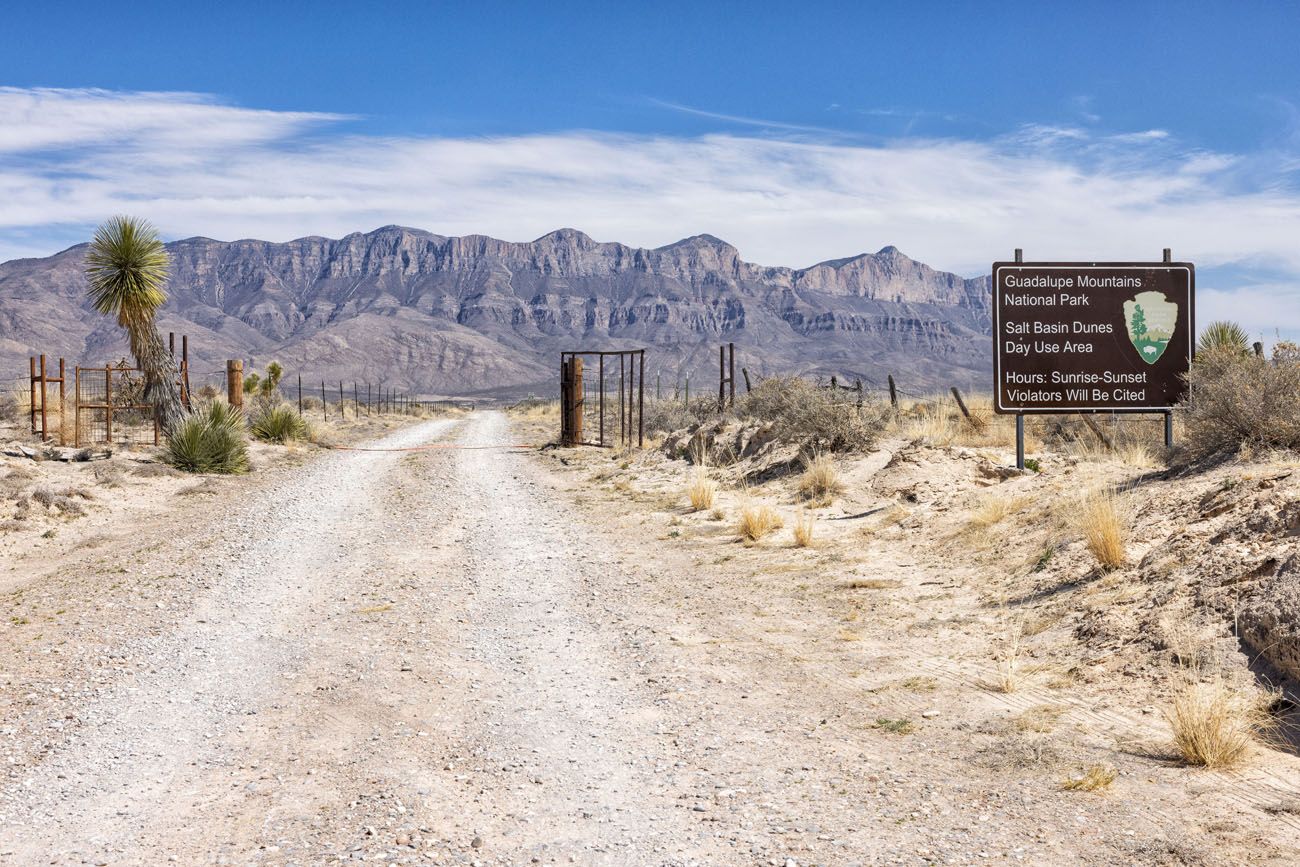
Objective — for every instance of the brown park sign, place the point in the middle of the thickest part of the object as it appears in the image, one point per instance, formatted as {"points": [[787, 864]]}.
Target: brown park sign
{"points": [[1091, 337]]}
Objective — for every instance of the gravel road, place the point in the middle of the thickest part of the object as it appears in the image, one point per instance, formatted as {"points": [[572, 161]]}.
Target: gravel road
{"points": [[393, 657]]}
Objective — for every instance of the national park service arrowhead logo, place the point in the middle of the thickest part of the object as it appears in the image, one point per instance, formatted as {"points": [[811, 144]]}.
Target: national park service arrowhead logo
{"points": [[1150, 319]]}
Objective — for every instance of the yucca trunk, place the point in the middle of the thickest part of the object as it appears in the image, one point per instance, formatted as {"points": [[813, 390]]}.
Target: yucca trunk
{"points": [[159, 370]]}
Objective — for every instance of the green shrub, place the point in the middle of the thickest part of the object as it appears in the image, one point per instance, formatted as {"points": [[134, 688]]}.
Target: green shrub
{"points": [[210, 440], [279, 424], [1235, 400]]}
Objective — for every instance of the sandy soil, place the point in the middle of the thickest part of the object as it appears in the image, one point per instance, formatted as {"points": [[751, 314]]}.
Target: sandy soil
{"points": [[477, 654]]}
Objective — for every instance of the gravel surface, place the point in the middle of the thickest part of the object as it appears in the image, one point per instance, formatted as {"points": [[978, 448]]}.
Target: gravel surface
{"points": [[462, 655]]}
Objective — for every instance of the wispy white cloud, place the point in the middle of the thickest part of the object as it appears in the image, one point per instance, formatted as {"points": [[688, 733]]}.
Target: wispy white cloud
{"points": [[195, 165]]}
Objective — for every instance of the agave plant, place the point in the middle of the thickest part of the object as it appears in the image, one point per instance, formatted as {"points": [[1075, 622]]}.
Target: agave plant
{"points": [[126, 267], [1224, 336]]}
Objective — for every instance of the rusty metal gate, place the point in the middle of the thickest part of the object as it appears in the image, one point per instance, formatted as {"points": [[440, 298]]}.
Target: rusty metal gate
{"points": [[602, 397]]}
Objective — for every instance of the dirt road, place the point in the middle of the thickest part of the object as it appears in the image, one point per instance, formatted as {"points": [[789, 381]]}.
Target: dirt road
{"points": [[446, 656]]}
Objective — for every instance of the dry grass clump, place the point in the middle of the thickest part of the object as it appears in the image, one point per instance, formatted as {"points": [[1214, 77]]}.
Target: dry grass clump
{"points": [[803, 529], [1007, 671], [802, 412], [1095, 779], [996, 507], [1101, 517], [820, 481], [1215, 724], [757, 521], [1235, 400], [701, 491]]}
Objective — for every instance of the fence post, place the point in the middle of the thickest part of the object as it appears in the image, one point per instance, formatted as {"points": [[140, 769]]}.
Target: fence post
{"points": [[235, 383], [893, 393], [108, 402], [76, 417], [601, 377], [300, 394], [343, 413], [45, 430], [745, 372], [63, 409], [722, 378], [356, 403], [960, 403], [640, 409], [731, 371], [367, 400], [31, 399], [324, 407], [185, 369]]}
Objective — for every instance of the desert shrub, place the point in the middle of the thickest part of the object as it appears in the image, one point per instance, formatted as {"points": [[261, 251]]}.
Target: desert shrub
{"points": [[1235, 400], [279, 424], [701, 490], [757, 521], [820, 418], [212, 440], [666, 416]]}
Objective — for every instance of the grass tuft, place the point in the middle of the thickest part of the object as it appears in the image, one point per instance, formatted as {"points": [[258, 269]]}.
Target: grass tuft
{"points": [[1096, 778], [757, 521], [1216, 725], [1103, 527], [820, 481], [803, 529], [701, 491]]}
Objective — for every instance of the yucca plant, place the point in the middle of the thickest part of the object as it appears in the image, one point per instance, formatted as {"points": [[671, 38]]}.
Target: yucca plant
{"points": [[1224, 337], [210, 441], [126, 268], [279, 424]]}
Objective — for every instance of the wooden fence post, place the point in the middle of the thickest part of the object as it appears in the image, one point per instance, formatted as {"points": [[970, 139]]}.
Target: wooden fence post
{"points": [[235, 383], [960, 403]]}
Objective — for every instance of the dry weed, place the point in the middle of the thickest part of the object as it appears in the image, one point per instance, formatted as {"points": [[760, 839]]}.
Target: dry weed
{"points": [[1216, 724], [820, 481], [701, 491], [803, 529], [1007, 674], [757, 521], [1102, 521], [1095, 779]]}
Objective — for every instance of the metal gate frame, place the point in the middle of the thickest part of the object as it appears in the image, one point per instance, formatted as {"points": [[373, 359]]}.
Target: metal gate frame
{"points": [[577, 389]]}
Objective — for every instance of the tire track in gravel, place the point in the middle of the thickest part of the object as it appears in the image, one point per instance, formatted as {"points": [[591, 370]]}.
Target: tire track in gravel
{"points": [[132, 774]]}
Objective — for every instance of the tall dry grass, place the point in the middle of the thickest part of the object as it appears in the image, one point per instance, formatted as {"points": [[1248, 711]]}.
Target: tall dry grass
{"points": [[1102, 520], [1216, 724], [820, 481], [757, 521], [804, 526], [702, 490]]}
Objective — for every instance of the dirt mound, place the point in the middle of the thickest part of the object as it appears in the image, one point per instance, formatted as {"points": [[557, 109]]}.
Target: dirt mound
{"points": [[750, 448]]}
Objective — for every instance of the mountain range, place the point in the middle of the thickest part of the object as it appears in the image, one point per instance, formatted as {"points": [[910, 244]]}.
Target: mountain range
{"points": [[439, 315]]}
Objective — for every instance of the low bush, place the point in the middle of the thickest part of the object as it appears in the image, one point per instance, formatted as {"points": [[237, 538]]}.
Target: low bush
{"points": [[803, 529], [666, 416], [1215, 724], [1236, 400], [211, 440], [822, 419], [279, 424]]}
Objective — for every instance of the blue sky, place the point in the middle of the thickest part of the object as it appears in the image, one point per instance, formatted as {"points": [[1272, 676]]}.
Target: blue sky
{"points": [[953, 130]]}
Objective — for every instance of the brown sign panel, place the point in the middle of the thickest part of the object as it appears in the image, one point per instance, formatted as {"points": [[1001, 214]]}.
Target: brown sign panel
{"points": [[1091, 337]]}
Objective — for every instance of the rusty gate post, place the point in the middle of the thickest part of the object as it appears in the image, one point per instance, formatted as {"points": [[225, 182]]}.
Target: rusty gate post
{"points": [[640, 411], [76, 418], [631, 394], [577, 399], [622, 394], [45, 430], [601, 376], [235, 383], [63, 409], [564, 399], [31, 397], [108, 402]]}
